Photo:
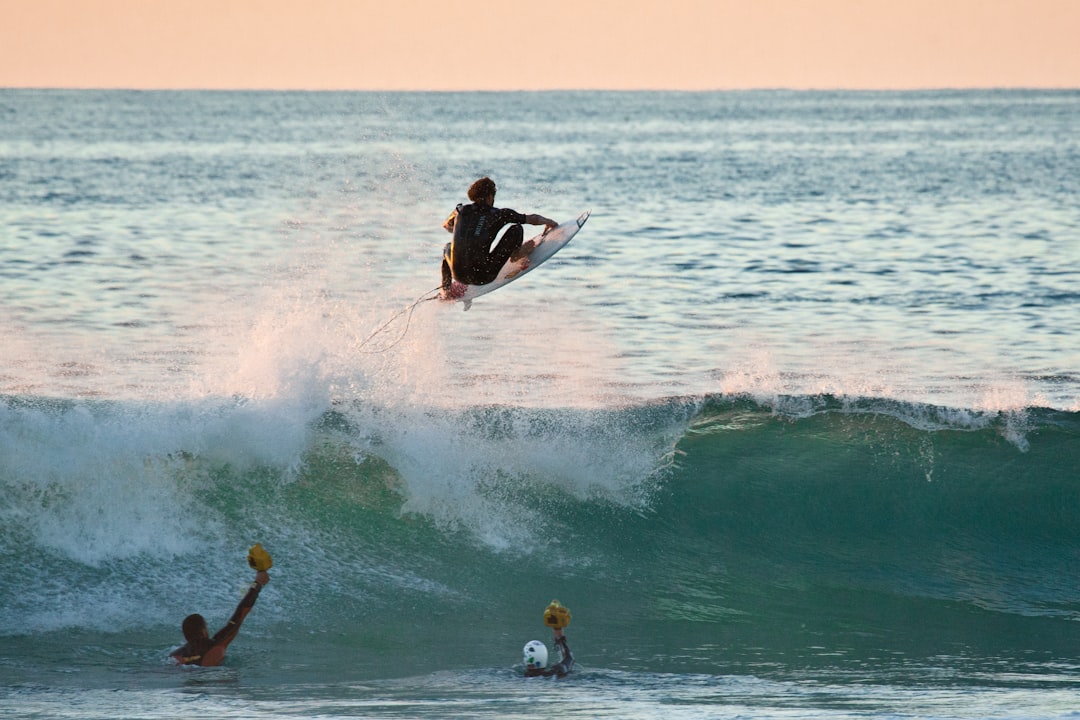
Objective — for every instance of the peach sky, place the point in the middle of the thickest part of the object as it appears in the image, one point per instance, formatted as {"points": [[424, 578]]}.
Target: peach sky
{"points": [[539, 44]]}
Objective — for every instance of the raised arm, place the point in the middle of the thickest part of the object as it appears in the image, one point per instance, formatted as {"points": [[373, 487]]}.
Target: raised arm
{"points": [[566, 662], [227, 634]]}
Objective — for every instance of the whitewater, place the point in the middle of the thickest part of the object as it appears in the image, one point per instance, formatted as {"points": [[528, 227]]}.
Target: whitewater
{"points": [[792, 426]]}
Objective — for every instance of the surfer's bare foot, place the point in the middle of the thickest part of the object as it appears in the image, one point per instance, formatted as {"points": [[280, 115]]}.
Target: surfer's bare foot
{"points": [[523, 265], [523, 251]]}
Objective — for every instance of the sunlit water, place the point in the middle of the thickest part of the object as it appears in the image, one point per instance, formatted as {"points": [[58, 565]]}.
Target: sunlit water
{"points": [[919, 246]]}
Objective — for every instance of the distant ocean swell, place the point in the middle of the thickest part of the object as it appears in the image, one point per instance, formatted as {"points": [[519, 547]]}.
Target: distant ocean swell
{"points": [[841, 516]]}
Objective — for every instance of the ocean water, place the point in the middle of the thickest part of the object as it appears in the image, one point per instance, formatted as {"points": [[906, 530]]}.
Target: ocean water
{"points": [[792, 426]]}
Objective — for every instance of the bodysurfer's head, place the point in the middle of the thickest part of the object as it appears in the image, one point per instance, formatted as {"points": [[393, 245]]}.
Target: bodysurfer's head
{"points": [[194, 628], [482, 190], [535, 655]]}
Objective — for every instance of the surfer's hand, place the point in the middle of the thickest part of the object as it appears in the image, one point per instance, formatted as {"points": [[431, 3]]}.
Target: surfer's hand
{"points": [[262, 577]]}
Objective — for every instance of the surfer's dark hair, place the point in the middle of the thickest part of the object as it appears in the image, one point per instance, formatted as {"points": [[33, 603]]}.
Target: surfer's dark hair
{"points": [[481, 189], [193, 627]]}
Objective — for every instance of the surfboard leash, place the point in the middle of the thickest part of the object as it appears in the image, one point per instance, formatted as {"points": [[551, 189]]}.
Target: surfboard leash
{"points": [[429, 295]]}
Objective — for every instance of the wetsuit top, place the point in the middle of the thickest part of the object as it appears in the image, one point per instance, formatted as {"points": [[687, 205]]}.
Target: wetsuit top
{"points": [[475, 227], [211, 651], [559, 669]]}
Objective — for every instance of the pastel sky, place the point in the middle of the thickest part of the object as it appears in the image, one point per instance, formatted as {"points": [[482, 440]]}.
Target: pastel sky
{"points": [[539, 44]]}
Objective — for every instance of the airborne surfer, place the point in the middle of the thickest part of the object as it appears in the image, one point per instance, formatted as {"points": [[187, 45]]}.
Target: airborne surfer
{"points": [[535, 652], [200, 648], [469, 258]]}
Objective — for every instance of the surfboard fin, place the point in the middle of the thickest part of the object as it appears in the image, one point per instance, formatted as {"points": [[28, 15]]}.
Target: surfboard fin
{"points": [[467, 304]]}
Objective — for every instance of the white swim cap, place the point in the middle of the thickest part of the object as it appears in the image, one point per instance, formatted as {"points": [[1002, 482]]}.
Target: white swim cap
{"points": [[535, 655]]}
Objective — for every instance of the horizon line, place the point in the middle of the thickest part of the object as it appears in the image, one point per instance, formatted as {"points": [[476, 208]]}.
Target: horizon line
{"points": [[761, 88]]}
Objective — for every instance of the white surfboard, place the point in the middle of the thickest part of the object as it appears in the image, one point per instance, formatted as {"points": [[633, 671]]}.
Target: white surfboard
{"points": [[547, 244]]}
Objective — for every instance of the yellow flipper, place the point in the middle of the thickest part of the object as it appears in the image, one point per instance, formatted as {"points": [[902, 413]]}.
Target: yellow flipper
{"points": [[556, 616], [259, 559]]}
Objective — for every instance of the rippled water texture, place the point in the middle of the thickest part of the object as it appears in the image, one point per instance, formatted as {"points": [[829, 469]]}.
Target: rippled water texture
{"points": [[913, 245]]}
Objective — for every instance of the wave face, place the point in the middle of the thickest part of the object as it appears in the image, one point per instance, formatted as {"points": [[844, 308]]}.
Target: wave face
{"points": [[684, 533]]}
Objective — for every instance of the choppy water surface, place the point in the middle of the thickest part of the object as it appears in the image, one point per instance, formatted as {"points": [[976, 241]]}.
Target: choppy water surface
{"points": [[792, 424]]}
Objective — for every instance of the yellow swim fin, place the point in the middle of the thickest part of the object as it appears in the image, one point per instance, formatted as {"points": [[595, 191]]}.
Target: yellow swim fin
{"points": [[556, 616], [259, 559]]}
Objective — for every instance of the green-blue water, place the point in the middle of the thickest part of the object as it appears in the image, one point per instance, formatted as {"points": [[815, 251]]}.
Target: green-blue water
{"points": [[709, 541]]}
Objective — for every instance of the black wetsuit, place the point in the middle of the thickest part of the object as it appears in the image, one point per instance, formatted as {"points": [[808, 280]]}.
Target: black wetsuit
{"points": [[559, 669], [471, 256], [211, 651]]}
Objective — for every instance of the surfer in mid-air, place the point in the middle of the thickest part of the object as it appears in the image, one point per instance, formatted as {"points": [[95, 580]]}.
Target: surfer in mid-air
{"points": [[469, 258]]}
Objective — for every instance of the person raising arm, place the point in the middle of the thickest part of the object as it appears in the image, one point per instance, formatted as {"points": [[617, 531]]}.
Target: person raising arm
{"points": [[535, 652], [200, 648]]}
